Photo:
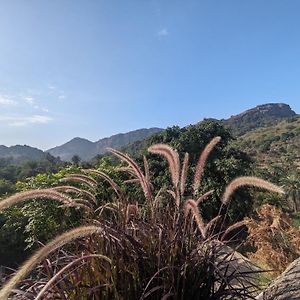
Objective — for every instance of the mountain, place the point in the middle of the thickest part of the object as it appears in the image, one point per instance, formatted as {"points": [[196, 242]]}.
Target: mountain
{"points": [[86, 149], [279, 143], [21, 153], [259, 116]]}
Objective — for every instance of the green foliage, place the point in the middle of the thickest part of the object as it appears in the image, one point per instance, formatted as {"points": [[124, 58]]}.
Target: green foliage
{"points": [[296, 219], [278, 143], [160, 247], [12, 237], [224, 164], [76, 160], [36, 221], [6, 187]]}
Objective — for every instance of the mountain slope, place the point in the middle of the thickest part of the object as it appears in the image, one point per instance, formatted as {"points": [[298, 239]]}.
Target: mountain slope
{"points": [[87, 149], [21, 153], [259, 116], [245, 122], [275, 143], [79, 146]]}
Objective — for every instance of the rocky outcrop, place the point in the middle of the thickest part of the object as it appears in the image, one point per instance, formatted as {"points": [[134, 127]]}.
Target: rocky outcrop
{"points": [[259, 116], [286, 286]]}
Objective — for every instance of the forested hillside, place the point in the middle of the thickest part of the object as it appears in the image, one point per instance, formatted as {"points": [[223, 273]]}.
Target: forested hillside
{"points": [[86, 149], [18, 154], [277, 143], [259, 116]]}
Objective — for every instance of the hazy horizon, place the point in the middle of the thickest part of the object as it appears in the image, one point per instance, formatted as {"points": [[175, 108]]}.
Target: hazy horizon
{"points": [[121, 132], [94, 69]]}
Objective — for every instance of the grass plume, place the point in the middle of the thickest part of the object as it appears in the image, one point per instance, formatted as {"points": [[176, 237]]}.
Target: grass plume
{"points": [[41, 254], [136, 171], [35, 194], [184, 171], [172, 157], [82, 179], [73, 189], [202, 160], [249, 181]]}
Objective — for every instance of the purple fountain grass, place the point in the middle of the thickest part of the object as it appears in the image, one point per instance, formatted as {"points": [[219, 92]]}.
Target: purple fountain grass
{"points": [[249, 181], [35, 194], [172, 157], [41, 254], [202, 160], [184, 171], [73, 189], [136, 171], [78, 178], [66, 268]]}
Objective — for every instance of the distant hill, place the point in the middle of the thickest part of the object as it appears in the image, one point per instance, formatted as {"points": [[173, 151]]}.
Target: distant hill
{"points": [[259, 116], [86, 149], [21, 153], [275, 143]]}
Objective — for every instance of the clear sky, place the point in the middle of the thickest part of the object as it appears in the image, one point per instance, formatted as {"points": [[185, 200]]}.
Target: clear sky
{"points": [[93, 68]]}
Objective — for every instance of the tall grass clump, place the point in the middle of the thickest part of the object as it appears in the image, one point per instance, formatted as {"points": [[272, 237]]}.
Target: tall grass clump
{"points": [[158, 247]]}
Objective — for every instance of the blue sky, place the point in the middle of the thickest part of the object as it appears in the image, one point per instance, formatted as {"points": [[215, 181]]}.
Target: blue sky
{"points": [[93, 68]]}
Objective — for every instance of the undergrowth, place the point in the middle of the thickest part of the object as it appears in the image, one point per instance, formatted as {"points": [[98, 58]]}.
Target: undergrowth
{"points": [[158, 248], [275, 239]]}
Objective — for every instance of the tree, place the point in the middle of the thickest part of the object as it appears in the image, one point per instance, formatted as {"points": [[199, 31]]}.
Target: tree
{"points": [[292, 187], [76, 159], [6, 187], [224, 164]]}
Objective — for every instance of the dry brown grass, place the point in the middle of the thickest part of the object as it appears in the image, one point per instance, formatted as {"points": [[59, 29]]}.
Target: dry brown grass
{"points": [[276, 241]]}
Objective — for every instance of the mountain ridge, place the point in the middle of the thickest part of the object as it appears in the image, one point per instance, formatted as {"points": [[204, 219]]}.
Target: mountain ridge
{"points": [[258, 116], [86, 149], [19, 153], [244, 122]]}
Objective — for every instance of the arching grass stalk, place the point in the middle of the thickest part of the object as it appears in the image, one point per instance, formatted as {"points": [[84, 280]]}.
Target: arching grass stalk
{"points": [[67, 267], [41, 254]]}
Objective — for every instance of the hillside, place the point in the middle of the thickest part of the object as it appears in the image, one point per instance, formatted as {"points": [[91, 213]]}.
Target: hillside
{"points": [[276, 143], [259, 116], [87, 149], [245, 122], [21, 153], [79, 146], [255, 126]]}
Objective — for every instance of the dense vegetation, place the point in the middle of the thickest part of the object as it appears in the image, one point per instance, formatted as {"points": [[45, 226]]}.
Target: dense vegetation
{"points": [[11, 172], [257, 117], [279, 143], [269, 152], [158, 247], [23, 227]]}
